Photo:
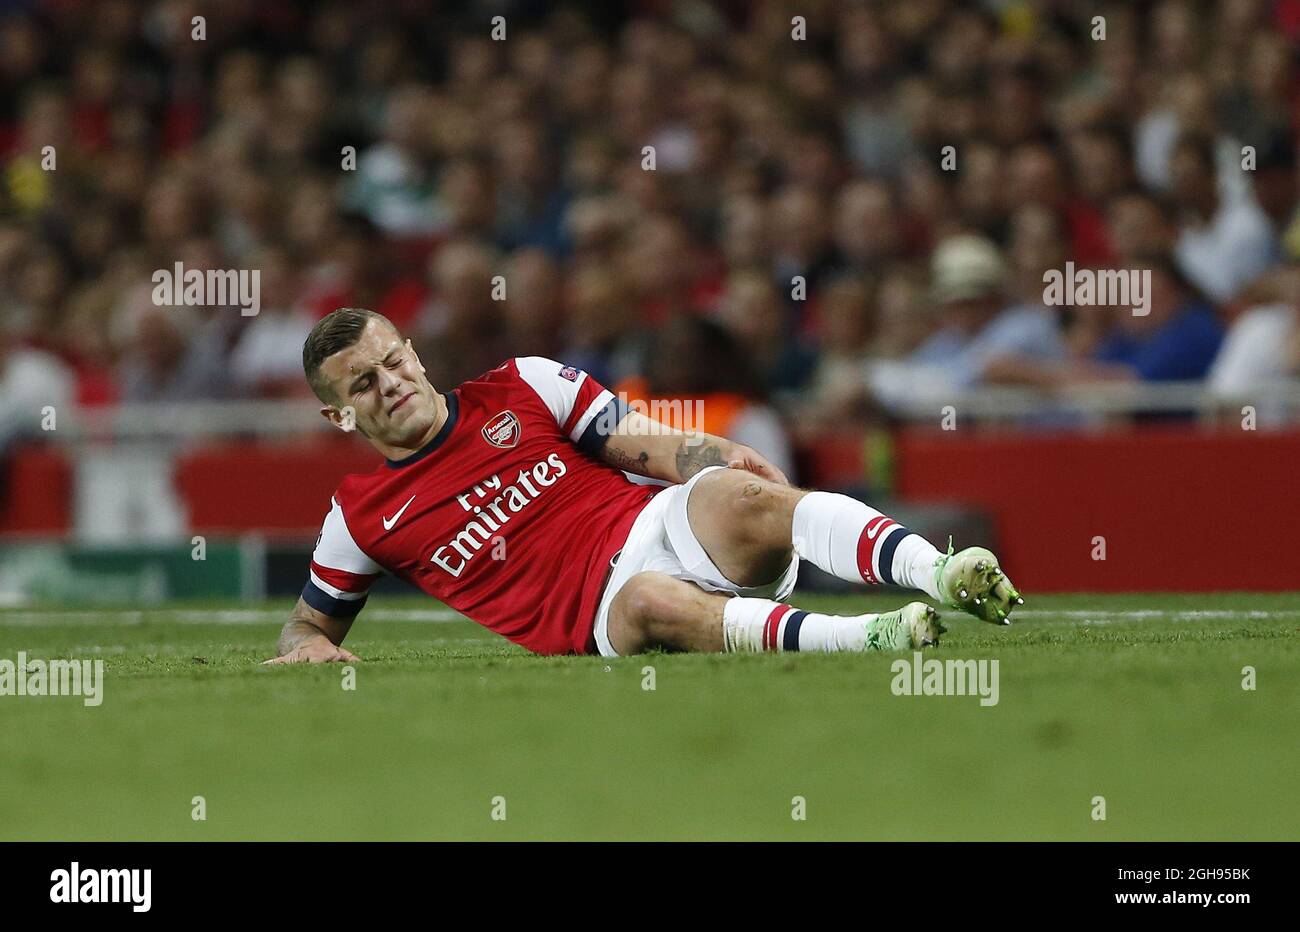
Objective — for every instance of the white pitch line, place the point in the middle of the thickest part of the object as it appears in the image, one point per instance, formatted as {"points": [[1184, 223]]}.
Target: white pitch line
{"points": [[200, 617], [187, 650], [1139, 614]]}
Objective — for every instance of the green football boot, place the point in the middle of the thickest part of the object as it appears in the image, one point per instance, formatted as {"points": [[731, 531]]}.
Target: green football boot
{"points": [[912, 627], [973, 582]]}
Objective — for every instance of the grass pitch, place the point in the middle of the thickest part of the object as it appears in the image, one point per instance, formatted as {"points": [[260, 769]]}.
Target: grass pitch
{"points": [[1137, 699]]}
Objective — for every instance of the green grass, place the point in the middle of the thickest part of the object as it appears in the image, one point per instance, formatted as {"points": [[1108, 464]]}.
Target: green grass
{"points": [[1138, 699]]}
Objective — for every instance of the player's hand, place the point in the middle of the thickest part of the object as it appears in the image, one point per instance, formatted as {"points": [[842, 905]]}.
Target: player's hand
{"points": [[742, 457], [317, 651]]}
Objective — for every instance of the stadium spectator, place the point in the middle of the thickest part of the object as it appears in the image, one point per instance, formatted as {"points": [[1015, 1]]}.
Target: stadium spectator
{"points": [[1101, 160], [533, 308], [459, 331], [801, 241], [1223, 243], [981, 193], [870, 232], [602, 336], [31, 381], [1177, 339], [836, 388], [753, 312], [774, 159], [1140, 225], [744, 235], [466, 190], [167, 355], [978, 326], [1036, 176], [1261, 349], [530, 202], [664, 266], [1275, 178], [903, 312], [266, 360], [1186, 108], [392, 186]]}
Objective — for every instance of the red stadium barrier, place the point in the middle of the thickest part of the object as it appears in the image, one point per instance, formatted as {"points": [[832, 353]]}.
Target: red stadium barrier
{"points": [[240, 487], [1179, 508], [35, 491]]}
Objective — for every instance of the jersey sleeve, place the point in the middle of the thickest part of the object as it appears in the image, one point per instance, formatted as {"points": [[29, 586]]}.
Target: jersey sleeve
{"points": [[341, 574], [585, 411]]}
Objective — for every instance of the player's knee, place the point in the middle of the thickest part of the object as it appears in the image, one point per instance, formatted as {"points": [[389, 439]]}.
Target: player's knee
{"points": [[646, 599], [750, 501]]}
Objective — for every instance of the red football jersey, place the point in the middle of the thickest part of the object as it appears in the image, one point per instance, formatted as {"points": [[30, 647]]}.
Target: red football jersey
{"points": [[507, 515]]}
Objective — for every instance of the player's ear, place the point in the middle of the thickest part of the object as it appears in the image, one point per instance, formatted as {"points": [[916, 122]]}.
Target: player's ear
{"points": [[415, 355], [345, 418]]}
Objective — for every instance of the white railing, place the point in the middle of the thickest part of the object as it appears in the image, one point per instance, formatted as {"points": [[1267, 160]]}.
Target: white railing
{"points": [[1279, 403], [191, 420]]}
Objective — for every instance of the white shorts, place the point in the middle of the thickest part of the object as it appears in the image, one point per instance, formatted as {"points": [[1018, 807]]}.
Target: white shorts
{"points": [[661, 540]]}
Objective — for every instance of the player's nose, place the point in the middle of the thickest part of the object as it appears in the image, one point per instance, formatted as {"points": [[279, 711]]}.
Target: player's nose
{"points": [[389, 383]]}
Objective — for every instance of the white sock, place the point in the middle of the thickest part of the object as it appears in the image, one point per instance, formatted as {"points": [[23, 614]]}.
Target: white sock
{"points": [[855, 542], [755, 625]]}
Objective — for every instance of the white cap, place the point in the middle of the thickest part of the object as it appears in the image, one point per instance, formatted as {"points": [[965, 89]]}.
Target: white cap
{"points": [[964, 267]]}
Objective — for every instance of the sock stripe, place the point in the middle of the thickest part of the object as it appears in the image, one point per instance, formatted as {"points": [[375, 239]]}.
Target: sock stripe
{"points": [[790, 638], [770, 626], [887, 548], [868, 542]]}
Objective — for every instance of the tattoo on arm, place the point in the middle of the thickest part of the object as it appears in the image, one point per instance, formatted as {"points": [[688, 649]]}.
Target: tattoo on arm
{"points": [[626, 462], [692, 458]]}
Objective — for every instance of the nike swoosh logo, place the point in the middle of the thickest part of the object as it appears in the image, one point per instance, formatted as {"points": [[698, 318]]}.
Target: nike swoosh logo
{"points": [[875, 527], [389, 522]]}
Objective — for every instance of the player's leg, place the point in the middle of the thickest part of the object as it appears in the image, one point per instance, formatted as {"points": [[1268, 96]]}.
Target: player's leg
{"points": [[749, 527], [656, 610]]}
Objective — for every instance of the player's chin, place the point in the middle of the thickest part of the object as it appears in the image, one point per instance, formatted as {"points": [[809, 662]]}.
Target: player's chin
{"points": [[402, 427]]}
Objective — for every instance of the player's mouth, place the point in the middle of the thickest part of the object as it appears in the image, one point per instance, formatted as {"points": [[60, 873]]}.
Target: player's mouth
{"points": [[401, 401]]}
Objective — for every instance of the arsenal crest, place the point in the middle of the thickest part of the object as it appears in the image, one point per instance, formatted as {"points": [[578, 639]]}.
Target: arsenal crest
{"points": [[502, 431]]}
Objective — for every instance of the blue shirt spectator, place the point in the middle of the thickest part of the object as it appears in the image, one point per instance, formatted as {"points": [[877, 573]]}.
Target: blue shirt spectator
{"points": [[1182, 348], [1023, 330]]}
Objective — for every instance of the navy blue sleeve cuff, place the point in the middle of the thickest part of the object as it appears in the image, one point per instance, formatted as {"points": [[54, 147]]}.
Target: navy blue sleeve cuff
{"points": [[602, 426], [326, 604]]}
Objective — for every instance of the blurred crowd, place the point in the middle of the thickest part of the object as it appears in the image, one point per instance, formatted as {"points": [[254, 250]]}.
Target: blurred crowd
{"points": [[834, 221]]}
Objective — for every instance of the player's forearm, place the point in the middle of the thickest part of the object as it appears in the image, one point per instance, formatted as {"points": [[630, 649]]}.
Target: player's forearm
{"points": [[698, 451], [672, 457], [297, 633]]}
